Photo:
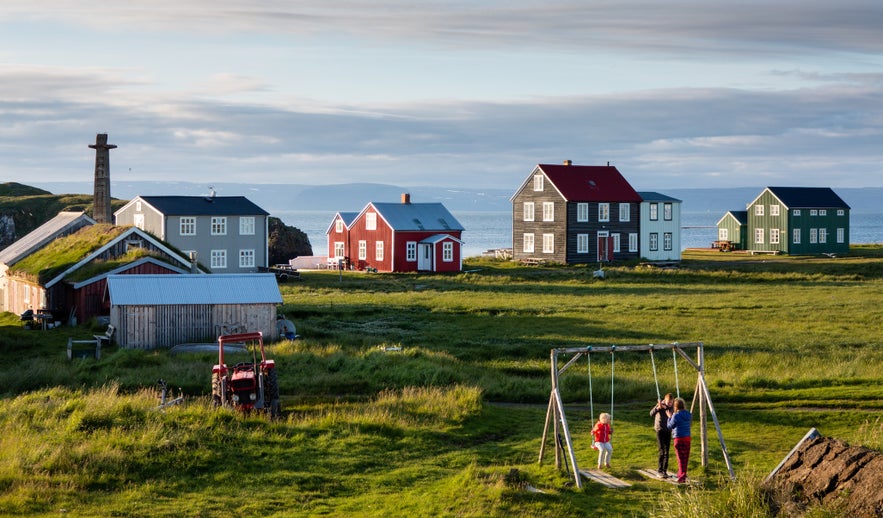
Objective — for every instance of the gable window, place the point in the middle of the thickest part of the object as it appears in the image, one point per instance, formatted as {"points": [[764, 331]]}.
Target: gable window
{"points": [[218, 259], [246, 226], [813, 235], [795, 236], [841, 235], [654, 241], [219, 226], [138, 206], [371, 221], [338, 226], [823, 235], [188, 226], [548, 211], [246, 258], [582, 212], [666, 211], [796, 212], [528, 211], [363, 250], [447, 251], [625, 212], [537, 182], [615, 243], [723, 234], [410, 250], [666, 241], [774, 210], [774, 236], [758, 236], [132, 244], [582, 243], [528, 243], [378, 250], [548, 243], [654, 212], [633, 242], [758, 210], [603, 212]]}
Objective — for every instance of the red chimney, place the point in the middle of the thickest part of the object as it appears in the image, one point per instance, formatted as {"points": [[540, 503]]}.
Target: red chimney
{"points": [[406, 198]]}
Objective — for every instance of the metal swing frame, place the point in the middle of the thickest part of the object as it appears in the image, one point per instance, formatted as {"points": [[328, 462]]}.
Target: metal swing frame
{"points": [[556, 419]]}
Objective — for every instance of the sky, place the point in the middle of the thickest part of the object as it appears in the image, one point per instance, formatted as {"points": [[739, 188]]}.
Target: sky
{"points": [[457, 93]]}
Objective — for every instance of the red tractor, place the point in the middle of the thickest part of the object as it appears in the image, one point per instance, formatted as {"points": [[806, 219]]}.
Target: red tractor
{"points": [[246, 386]]}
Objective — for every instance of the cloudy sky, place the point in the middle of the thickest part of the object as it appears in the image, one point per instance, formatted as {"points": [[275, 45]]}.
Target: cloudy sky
{"points": [[709, 93]]}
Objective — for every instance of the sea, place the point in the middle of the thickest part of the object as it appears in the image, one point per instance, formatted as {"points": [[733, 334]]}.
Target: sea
{"points": [[486, 230]]}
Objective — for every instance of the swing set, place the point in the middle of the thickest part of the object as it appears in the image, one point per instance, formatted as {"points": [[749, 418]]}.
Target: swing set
{"points": [[557, 421]]}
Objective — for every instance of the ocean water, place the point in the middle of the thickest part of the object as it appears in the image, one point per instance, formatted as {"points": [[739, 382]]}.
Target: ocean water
{"points": [[488, 230]]}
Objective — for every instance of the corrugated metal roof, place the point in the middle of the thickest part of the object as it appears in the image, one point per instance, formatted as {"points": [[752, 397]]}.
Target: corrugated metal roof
{"points": [[204, 205], [417, 216], [219, 288], [42, 235], [655, 196], [590, 183]]}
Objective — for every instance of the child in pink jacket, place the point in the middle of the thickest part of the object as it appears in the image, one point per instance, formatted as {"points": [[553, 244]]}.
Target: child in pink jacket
{"points": [[602, 432]]}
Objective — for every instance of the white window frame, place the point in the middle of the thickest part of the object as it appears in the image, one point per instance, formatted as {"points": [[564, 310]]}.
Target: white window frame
{"points": [[582, 212], [582, 243], [528, 243], [528, 211], [339, 249], [538, 183], [813, 212], [371, 221], [723, 234], [338, 226], [246, 225], [548, 243], [187, 226], [410, 251], [774, 236], [774, 209], [246, 258], [616, 245], [823, 212], [625, 212], [795, 236], [363, 250], [795, 212], [823, 235], [667, 240], [759, 236], [548, 211], [603, 212], [448, 252], [633, 242], [841, 212], [813, 236], [667, 211], [841, 235], [654, 241], [218, 259], [654, 211], [138, 206], [219, 225], [758, 210], [378, 250]]}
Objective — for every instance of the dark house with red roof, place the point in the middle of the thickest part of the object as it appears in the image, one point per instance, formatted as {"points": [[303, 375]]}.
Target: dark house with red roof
{"points": [[575, 214]]}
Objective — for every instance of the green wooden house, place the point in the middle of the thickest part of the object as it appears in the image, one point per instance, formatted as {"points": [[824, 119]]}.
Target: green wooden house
{"points": [[798, 221], [732, 229]]}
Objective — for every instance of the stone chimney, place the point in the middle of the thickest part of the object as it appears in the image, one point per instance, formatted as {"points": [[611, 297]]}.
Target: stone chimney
{"points": [[406, 198], [567, 162], [101, 199]]}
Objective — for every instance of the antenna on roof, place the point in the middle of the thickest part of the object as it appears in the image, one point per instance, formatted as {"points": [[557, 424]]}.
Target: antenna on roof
{"points": [[211, 193]]}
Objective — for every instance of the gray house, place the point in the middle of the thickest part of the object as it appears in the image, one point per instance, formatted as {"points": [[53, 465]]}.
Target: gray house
{"points": [[229, 234], [151, 311]]}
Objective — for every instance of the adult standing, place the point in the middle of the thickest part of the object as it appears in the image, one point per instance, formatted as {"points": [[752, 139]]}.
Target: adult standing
{"points": [[661, 412], [679, 424]]}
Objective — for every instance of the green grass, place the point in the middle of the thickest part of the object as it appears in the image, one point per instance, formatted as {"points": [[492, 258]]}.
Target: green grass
{"points": [[451, 424]]}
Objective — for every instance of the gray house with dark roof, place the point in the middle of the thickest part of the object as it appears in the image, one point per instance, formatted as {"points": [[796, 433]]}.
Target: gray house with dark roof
{"points": [[229, 234]]}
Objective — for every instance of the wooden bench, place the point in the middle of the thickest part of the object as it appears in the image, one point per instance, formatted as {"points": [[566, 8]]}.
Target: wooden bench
{"points": [[76, 349], [532, 261]]}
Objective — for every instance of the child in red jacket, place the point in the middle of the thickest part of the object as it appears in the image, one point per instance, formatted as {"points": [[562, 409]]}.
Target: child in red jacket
{"points": [[602, 432]]}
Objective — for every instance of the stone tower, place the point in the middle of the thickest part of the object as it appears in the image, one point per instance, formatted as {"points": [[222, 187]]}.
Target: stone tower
{"points": [[101, 200]]}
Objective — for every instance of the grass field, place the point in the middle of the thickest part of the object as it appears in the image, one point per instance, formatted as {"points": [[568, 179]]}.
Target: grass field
{"points": [[450, 423]]}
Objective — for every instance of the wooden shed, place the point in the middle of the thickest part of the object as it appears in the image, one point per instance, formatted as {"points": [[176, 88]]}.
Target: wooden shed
{"points": [[160, 311]]}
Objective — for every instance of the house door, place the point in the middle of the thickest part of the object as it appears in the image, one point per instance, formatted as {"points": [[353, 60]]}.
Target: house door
{"points": [[605, 247], [424, 256]]}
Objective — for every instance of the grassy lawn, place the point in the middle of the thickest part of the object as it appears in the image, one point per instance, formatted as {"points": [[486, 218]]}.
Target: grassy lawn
{"points": [[451, 424]]}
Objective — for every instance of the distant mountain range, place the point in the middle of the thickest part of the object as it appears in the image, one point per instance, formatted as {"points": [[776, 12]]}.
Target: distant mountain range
{"points": [[354, 196]]}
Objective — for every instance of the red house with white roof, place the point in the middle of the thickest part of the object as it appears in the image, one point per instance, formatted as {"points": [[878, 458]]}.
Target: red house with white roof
{"points": [[575, 214], [398, 237]]}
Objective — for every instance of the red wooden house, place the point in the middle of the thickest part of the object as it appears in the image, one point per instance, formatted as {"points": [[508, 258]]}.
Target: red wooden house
{"points": [[398, 237]]}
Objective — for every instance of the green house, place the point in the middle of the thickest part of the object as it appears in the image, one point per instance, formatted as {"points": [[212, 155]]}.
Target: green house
{"points": [[798, 221], [733, 229]]}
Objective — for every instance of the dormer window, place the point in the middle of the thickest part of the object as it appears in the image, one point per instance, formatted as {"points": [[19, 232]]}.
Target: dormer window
{"points": [[538, 182]]}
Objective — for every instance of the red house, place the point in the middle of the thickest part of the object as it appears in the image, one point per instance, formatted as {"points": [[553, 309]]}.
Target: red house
{"points": [[398, 237]]}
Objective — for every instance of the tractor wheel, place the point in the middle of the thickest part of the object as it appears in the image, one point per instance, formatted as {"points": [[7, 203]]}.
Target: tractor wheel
{"points": [[216, 389], [271, 395]]}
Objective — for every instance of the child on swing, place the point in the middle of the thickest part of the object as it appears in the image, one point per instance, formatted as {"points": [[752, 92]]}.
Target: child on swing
{"points": [[602, 433]]}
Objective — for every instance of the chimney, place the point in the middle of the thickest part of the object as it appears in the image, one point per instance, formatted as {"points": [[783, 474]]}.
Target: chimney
{"points": [[567, 162], [101, 199], [193, 264], [406, 198]]}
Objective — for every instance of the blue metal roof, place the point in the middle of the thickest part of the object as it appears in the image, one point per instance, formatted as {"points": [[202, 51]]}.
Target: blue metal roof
{"points": [[204, 205], [417, 216], [219, 288], [42, 235], [655, 196]]}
